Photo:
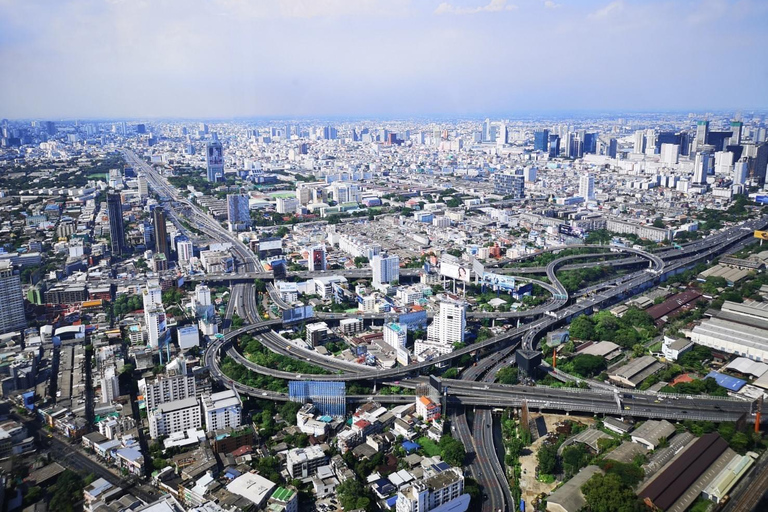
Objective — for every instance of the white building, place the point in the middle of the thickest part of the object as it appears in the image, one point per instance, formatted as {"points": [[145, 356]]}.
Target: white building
{"points": [[184, 248], [448, 327], [395, 335], [222, 410], [433, 492], [202, 295], [670, 154], [386, 269], [188, 336], [110, 386], [152, 295], [303, 462], [166, 388], [172, 417], [253, 487], [587, 186], [286, 204], [156, 326]]}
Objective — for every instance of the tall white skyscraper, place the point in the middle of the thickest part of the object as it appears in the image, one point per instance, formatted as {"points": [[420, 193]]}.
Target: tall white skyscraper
{"points": [[110, 386], [386, 268], [12, 312], [639, 138], [152, 295], [650, 142], [670, 153], [700, 168], [143, 186], [157, 326], [740, 171], [184, 248], [448, 327], [395, 335], [587, 187]]}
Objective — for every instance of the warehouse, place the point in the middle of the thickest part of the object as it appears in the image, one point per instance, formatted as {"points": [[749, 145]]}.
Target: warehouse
{"points": [[732, 338], [636, 371], [682, 480], [674, 306], [568, 497]]}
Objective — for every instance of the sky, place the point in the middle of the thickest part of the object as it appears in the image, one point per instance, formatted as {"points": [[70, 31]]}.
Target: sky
{"points": [[394, 58]]}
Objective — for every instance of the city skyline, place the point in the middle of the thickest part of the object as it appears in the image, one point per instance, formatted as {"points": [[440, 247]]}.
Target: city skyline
{"points": [[227, 59]]}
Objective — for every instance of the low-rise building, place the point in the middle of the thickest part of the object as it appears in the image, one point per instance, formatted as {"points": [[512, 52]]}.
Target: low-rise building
{"points": [[303, 462]]}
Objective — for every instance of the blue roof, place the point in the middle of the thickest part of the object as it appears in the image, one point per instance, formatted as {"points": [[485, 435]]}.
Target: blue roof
{"points": [[726, 381], [391, 502], [410, 446]]}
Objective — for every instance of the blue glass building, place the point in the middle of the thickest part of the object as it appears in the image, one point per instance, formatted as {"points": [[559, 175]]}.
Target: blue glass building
{"points": [[330, 398]]}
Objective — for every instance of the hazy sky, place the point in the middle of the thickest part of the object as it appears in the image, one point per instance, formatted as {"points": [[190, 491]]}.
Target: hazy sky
{"points": [[222, 58]]}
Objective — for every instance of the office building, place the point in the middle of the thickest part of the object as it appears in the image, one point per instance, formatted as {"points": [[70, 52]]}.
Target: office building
{"points": [[303, 462], [214, 161], [116, 229], [172, 417], [670, 154], [587, 187], [156, 322], [638, 146], [164, 389], [736, 129], [740, 171], [222, 410], [289, 204], [439, 490], [110, 386], [12, 313], [330, 398], [386, 269], [188, 337], [448, 327], [509, 185], [238, 212], [701, 167], [202, 295], [395, 335], [554, 146], [152, 295], [613, 148], [702, 135], [161, 235], [541, 140]]}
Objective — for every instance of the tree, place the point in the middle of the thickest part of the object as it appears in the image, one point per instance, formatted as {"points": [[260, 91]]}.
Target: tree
{"points": [[507, 375], [260, 285], [587, 365], [547, 459], [582, 328], [452, 451], [606, 493], [451, 373], [575, 457], [638, 350]]}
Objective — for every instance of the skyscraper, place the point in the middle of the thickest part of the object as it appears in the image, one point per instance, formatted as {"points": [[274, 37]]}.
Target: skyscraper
{"points": [[554, 146], [161, 236], [670, 153], [740, 171], [116, 230], [12, 313], [386, 269], [613, 147], [184, 250], [587, 186], [238, 212], [449, 326], [214, 160], [736, 127], [541, 140], [638, 146], [702, 132], [701, 167]]}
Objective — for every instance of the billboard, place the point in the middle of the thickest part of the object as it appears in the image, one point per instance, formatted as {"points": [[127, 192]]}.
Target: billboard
{"points": [[454, 268], [318, 258], [761, 199], [478, 268], [298, 314], [762, 235], [499, 282], [270, 244]]}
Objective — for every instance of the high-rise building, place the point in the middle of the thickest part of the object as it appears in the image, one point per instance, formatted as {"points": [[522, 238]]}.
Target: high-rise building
{"points": [[161, 235], [152, 295], [448, 327], [670, 153], [740, 171], [184, 250], [650, 142], [202, 295], [116, 230], [509, 185], [760, 164], [613, 147], [166, 388], [590, 143], [214, 160], [172, 417], [587, 187], [702, 134], [436, 491], [12, 313], [541, 140], [736, 128], [110, 385], [701, 168], [329, 397], [638, 146], [554, 146], [222, 410], [238, 212], [386, 268], [143, 186], [141, 129], [395, 335]]}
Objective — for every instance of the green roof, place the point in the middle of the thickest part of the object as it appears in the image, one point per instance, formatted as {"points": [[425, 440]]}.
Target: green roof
{"points": [[282, 494]]}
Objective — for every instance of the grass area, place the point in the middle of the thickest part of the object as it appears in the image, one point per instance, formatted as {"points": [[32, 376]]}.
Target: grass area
{"points": [[546, 478], [428, 446], [284, 195], [656, 347]]}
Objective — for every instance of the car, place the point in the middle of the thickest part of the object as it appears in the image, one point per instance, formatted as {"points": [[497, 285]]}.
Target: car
{"points": [[485, 497], [626, 407]]}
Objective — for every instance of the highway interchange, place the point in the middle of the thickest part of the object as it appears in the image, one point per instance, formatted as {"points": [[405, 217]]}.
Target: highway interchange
{"points": [[467, 392]]}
